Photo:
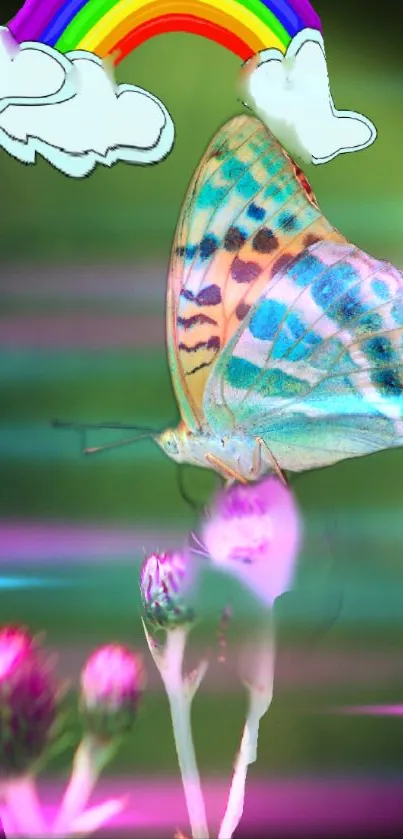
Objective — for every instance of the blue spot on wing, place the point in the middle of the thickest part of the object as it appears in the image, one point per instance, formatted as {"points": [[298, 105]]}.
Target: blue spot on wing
{"points": [[347, 308], [255, 212], [247, 186], [380, 288], [372, 322], [208, 246], [272, 164], [210, 196], [278, 193], [277, 383], [241, 373], [288, 222], [296, 326], [301, 350], [333, 283], [388, 381], [378, 349], [294, 340], [397, 311], [304, 270], [190, 252], [266, 320], [233, 169]]}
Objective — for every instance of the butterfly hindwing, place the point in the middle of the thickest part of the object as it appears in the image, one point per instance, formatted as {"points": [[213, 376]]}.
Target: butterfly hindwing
{"points": [[249, 210], [315, 369]]}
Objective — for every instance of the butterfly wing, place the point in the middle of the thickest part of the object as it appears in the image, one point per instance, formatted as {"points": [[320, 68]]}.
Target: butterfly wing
{"points": [[316, 368], [248, 211]]}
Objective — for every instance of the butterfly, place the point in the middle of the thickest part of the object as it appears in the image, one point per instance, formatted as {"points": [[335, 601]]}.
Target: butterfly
{"points": [[284, 339]]}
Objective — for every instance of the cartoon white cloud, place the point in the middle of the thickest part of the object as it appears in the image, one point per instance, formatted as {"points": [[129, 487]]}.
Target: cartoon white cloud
{"points": [[291, 94], [82, 117], [31, 73]]}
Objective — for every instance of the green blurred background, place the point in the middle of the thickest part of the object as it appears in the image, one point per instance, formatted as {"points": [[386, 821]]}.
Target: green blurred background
{"points": [[83, 258]]}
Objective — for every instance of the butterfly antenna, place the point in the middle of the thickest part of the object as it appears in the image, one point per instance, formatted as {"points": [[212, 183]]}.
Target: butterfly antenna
{"points": [[117, 445], [83, 428], [89, 426]]}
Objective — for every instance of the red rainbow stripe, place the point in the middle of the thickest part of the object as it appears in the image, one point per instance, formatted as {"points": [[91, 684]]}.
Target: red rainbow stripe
{"points": [[180, 23]]}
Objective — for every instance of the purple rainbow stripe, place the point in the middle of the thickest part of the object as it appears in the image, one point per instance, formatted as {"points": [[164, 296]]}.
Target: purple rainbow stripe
{"points": [[46, 20], [32, 19], [306, 12]]}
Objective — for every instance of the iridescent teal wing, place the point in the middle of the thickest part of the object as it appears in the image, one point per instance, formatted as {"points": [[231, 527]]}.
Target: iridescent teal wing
{"points": [[248, 209], [316, 368]]}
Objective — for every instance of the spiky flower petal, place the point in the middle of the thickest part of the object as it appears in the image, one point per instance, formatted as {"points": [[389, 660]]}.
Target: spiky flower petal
{"points": [[166, 580]]}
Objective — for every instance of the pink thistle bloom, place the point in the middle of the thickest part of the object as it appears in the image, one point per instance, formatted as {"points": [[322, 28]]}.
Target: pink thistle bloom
{"points": [[28, 701], [166, 581], [16, 646], [112, 681], [253, 531]]}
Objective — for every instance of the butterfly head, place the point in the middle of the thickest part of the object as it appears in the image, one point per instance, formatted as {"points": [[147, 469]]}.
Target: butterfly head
{"points": [[173, 441], [185, 446]]}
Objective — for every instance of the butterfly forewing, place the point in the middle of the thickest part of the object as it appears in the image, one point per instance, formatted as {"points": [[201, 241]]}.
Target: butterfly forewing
{"points": [[316, 367], [248, 212]]}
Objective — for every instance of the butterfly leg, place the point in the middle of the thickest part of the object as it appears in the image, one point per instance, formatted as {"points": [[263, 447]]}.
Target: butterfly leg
{"points": [[225, 470], [276, 467]]}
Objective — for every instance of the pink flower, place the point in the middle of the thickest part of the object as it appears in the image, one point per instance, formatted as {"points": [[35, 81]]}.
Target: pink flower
{"points": [[254, 532], [166, 583], [112, 681], [28, 701], [16, 647]]}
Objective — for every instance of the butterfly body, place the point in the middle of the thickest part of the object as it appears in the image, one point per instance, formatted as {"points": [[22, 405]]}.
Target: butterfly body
{"points": [[231, 455], [285, 341]]}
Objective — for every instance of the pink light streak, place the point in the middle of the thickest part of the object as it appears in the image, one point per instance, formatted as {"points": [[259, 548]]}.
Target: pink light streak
{"points": [[314, 807]]}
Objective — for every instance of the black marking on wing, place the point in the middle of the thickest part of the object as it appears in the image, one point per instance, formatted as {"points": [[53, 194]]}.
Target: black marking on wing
{"points": [[244, 272], [265, 241], [213, 343], [209, 296], [199, 367], [234, 239], [242, 310], [189, 322]]}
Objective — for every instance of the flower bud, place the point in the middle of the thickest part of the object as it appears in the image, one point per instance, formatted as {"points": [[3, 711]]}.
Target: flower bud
{"points": [[253, 531], [112, 681], [28, 701], [165, 583]]}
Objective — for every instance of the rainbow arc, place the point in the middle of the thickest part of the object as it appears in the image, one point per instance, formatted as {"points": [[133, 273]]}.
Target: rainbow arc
{"points": [[117, 27]]}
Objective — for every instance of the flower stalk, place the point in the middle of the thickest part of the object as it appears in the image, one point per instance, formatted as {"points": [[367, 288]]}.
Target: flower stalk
{"points": [[91, 757], [180, 691], [259, 684]]}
